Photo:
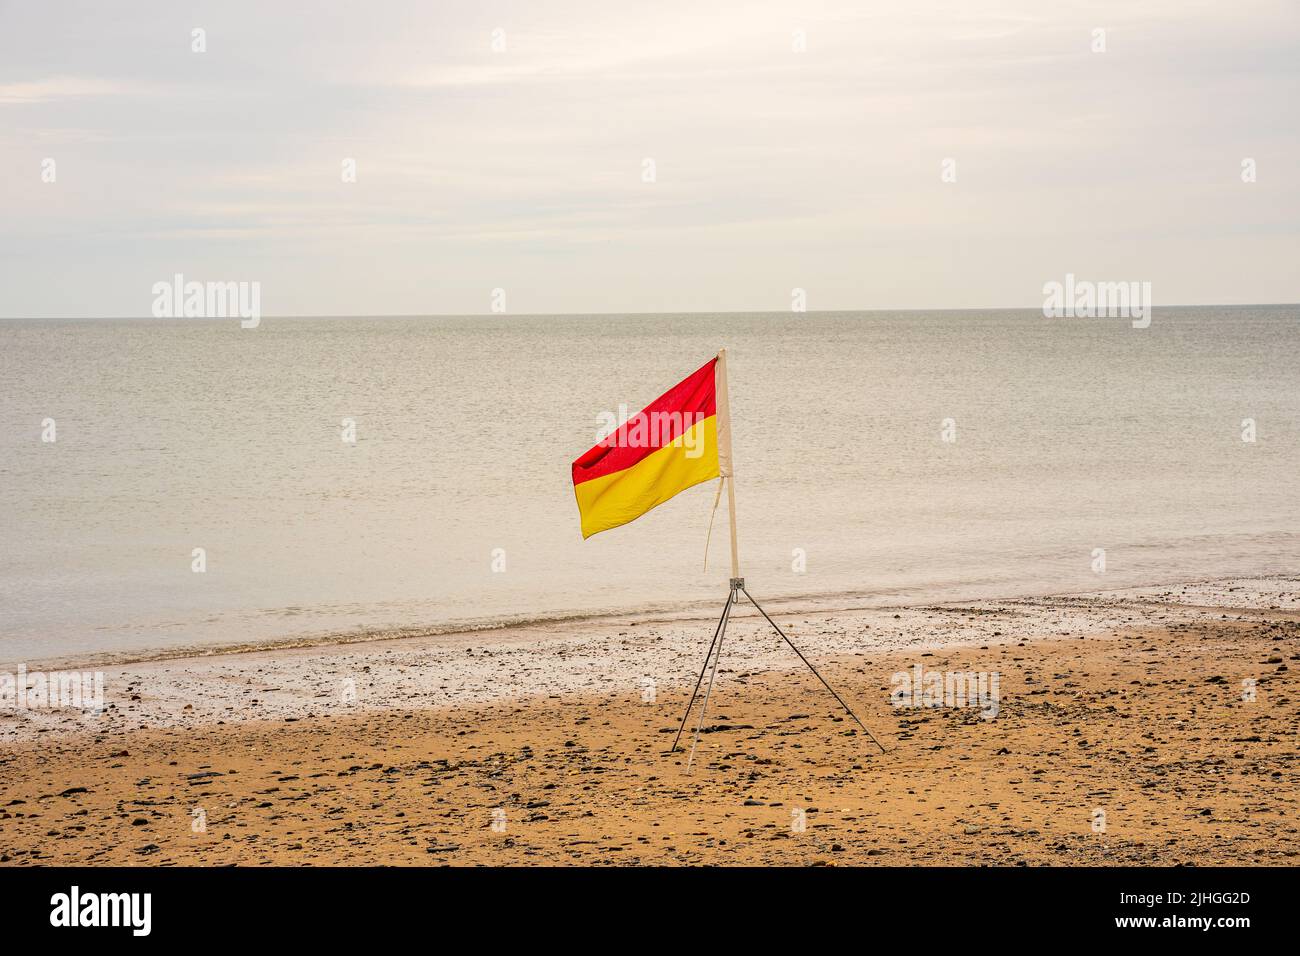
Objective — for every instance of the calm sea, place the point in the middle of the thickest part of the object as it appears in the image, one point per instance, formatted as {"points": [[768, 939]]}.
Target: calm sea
{"points": [[1070, 435]]}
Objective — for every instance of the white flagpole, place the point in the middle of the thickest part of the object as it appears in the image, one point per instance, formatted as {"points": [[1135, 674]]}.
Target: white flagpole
{"points": [[726, 472], [726, 464]]}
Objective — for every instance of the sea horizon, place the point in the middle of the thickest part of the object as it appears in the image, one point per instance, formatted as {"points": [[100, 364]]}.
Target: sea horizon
{"points": [[625, 313]]}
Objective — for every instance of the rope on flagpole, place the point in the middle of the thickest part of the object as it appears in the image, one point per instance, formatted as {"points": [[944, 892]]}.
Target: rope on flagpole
{"points": [[712, 514]]}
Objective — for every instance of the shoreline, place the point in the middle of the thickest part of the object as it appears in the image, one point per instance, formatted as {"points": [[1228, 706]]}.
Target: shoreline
{"points": [[517, 663], [841, 602]]}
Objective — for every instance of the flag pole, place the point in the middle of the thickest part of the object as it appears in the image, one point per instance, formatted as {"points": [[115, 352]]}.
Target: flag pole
{"points": [[726, 464], [726, 473]]}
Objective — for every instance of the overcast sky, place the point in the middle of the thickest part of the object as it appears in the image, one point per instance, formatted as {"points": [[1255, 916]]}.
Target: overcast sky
{"points": [[523, 169]]}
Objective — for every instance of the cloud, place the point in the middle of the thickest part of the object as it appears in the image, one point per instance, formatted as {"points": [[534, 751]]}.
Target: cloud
{"points": [[779, 163], [55, 88]]}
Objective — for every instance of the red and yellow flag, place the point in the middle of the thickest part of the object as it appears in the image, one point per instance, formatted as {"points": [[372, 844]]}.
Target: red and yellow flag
{"points": [[665, 448]]}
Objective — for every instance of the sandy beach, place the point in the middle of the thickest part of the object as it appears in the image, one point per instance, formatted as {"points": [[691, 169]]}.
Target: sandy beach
{"points": [[1126, 729]]}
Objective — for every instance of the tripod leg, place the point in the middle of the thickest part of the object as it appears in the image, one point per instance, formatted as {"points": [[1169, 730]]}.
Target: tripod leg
{"points": [[716, 631], [814, 670], [722, 633]]}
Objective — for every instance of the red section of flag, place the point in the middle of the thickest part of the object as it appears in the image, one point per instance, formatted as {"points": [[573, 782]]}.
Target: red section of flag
{"points": [[691, 400]]}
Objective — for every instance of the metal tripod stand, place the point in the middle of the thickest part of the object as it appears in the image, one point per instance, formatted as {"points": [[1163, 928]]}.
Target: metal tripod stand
{"points": [[738, 588]]}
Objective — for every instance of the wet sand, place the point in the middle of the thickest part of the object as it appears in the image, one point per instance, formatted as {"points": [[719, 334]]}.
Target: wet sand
{"points": [[1124, 733]]}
